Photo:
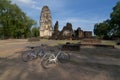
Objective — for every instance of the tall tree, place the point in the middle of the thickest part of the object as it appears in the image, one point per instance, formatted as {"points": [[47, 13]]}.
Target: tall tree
{"points": [[115, 20], [15, 23], [35, 31], [102, 29], [109, 28]]}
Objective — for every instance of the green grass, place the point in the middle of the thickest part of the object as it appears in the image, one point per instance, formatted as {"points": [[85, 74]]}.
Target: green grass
{"points": [[107, 42]]}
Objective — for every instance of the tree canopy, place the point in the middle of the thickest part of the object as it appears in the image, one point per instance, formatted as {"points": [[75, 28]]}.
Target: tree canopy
{"points": [[110, 28], [115, 20], [14, 23], [35, 32]]}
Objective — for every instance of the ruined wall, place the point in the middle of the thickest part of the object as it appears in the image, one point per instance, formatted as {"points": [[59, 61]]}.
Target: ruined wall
{"points": [[87, 34]]}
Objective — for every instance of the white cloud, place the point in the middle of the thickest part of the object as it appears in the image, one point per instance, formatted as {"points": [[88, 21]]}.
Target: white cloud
{"points": [[60, 12], [28, 2], [36, 7]]}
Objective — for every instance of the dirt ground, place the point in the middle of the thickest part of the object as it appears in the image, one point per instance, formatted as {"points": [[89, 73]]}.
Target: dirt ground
{"points": [[86, 64]]}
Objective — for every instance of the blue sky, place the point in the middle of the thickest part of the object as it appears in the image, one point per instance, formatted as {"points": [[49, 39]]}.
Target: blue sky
{"points": [[81, 13]]}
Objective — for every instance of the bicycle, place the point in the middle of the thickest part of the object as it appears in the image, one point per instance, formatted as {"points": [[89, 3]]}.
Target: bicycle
{"points": [[33, 52], [51, 59]]}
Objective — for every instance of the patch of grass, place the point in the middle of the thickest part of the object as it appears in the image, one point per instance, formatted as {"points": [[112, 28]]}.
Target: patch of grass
{"points": [[107, 42]]}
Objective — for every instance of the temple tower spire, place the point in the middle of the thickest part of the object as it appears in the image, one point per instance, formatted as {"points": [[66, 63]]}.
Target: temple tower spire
{"points": [[45, 23]]}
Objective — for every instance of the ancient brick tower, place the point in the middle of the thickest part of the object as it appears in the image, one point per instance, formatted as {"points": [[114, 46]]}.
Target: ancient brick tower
{"points": [[45, 23]]}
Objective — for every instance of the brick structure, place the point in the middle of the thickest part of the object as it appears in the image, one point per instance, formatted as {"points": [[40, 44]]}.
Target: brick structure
{"points": [[79, 33], [87, 34], [46, 30], [56, 32], [45, 23], [67, 32]]}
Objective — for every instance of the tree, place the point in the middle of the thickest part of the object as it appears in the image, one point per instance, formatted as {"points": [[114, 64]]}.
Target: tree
{"points": [[115, 20], [109, 28], [15, 23], [35, 31], [102, 29]]}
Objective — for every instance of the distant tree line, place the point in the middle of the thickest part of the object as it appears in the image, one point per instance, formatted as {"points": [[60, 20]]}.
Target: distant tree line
{"points": [[109, 29], [14, 23]]}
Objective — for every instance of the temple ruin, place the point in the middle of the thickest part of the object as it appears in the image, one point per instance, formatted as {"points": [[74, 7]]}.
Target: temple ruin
{"points": [[45, 23], [68, 33], [46, 30]]}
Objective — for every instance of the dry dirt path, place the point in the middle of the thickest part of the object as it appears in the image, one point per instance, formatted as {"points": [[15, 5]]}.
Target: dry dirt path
{"points": [[80, 67], [16, 69]]}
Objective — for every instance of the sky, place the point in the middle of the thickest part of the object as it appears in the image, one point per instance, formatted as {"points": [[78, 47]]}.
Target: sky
{"points": [[81, 13]]}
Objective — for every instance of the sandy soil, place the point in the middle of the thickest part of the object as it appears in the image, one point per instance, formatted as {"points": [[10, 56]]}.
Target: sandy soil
{"points": [[84, 65]]}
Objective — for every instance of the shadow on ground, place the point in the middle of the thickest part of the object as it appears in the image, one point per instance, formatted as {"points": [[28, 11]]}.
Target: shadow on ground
{"points": [[78, 68]]}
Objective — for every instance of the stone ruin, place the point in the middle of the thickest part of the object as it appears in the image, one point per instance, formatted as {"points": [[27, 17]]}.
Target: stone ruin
{"points": [[46, 30], [80, 34], [68, 33], [56, 32], [45, 23]]}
